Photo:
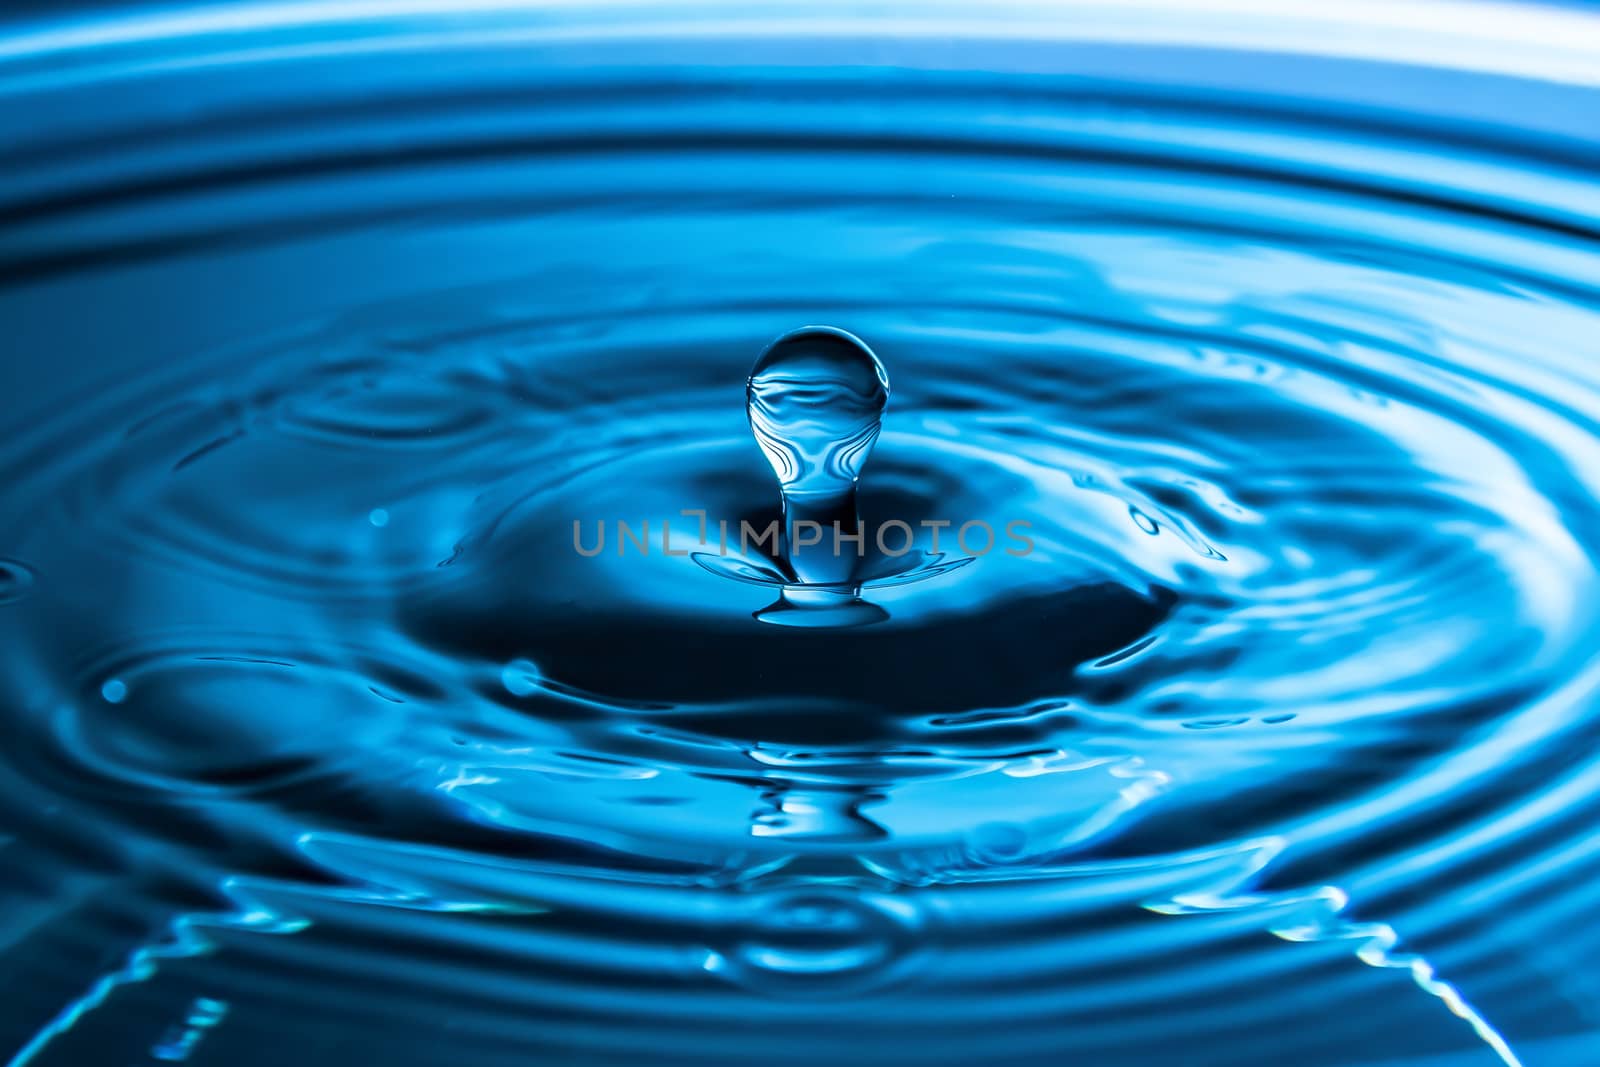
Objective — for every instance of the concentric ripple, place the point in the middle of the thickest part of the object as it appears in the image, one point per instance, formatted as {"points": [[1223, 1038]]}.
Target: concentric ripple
{"points": [[331, 732]]}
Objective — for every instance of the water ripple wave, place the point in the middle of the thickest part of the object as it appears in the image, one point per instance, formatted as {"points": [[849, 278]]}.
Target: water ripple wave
{"points": [[315, 713]]}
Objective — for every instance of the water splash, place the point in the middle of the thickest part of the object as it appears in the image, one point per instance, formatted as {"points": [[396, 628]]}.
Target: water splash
{"points": [[1289, 374]]}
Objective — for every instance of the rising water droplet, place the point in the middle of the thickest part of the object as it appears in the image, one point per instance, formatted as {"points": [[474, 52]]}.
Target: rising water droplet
{"points": [[816, 398], [115, 691], [16, 578]]}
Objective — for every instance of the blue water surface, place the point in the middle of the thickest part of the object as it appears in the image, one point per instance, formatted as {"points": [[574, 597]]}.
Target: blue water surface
{"points": [[1278, 328]]}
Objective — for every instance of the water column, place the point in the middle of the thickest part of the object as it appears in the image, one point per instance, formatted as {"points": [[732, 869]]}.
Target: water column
{"points": [[816, 398]]}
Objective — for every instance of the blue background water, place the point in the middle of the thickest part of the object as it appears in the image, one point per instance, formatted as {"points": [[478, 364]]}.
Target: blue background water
{"points": [[322, 324]]}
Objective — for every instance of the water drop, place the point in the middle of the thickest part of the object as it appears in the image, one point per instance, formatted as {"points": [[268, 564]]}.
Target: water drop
{"points": [[16, 578], [816, 398], [520, 677], [378, 517], [115, 691]]}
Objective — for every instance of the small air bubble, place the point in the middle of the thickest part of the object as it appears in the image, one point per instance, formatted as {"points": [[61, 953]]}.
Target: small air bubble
{"points": [[378, 517], [115, 691]]}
